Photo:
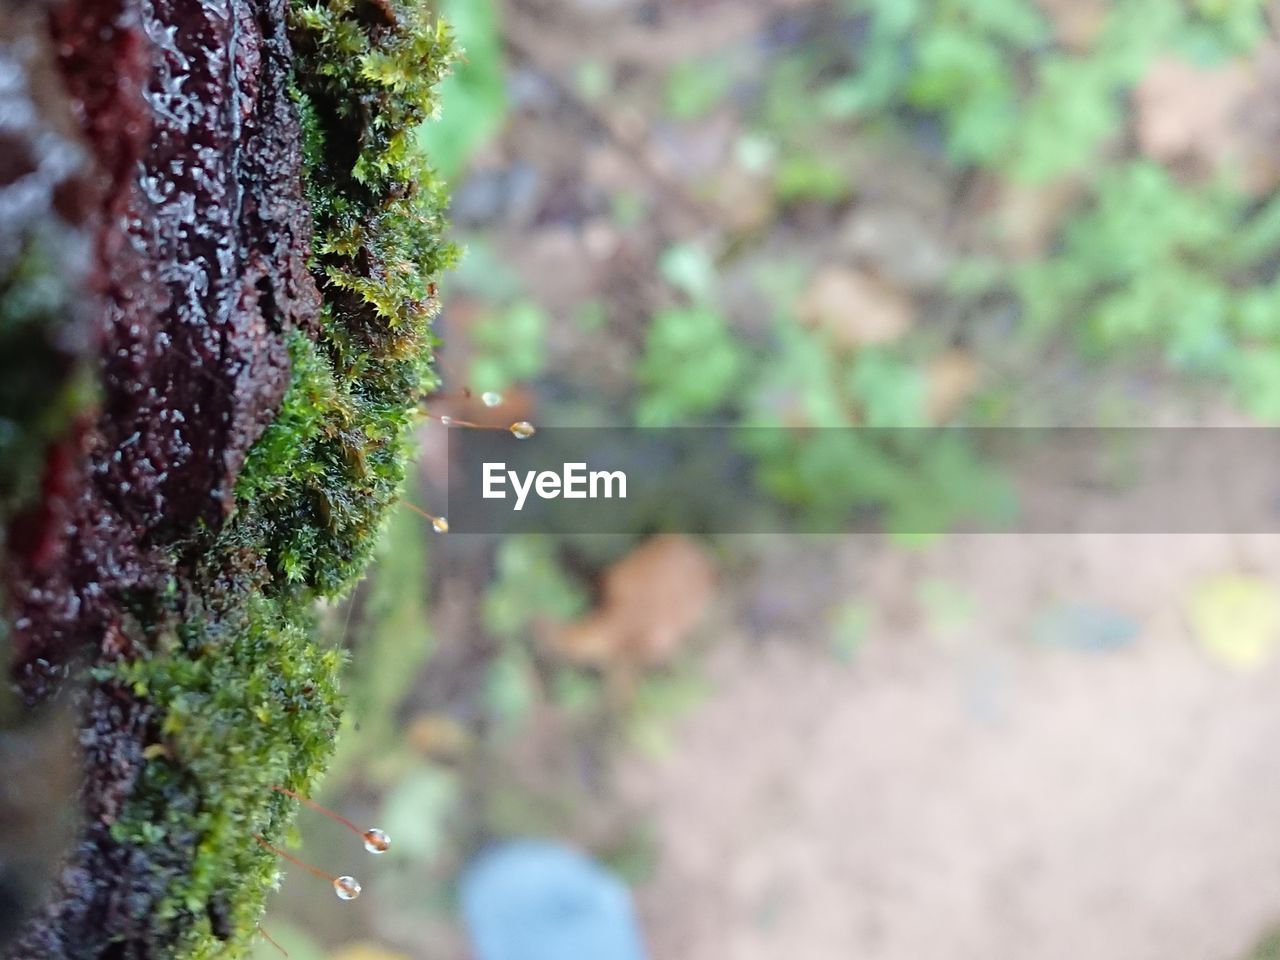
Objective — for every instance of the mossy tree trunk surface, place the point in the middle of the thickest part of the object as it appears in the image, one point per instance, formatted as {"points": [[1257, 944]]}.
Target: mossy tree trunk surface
{"points": [[217, 251]]}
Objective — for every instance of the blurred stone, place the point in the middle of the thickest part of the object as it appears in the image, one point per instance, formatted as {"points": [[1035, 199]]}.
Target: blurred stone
{"points": [[901, 243], [744, 201], [1085, 627], [856, 308]]}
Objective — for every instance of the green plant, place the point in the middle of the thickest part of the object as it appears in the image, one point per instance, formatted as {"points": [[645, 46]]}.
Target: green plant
{"points": [[1010, 96], [474, 97], [510, 346], [800, 389], [1189, 271]]}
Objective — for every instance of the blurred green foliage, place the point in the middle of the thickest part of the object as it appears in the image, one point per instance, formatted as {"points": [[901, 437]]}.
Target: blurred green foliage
{"points": [[1147, 263], [530, 582], [1010, 97], [696, 87], [692, 365], [697, 369], [509, 346], [473, 99], [1152, 263], [394, 641]]}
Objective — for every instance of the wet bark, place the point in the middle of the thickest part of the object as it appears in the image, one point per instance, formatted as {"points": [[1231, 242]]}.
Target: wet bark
{"points": [[160, 141]]}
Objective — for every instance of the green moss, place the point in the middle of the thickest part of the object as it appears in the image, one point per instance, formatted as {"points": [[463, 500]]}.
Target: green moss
{"points": [[246, 700], [318, 484], [244, 696]]}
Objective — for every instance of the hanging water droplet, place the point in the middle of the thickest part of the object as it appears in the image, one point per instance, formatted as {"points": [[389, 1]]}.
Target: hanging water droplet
{"points": [[491, 399], [446, 420], [440, 524], [375, 841], [522, 430], [347, 888]]}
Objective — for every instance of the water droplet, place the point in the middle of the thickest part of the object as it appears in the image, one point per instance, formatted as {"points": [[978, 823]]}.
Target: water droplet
{"points": [[440, 524], [347, 888], [446, 420], [491, 399], [522, 430], [375, 841]]}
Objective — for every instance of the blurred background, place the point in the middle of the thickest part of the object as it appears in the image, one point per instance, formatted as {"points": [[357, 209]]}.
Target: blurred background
{"points": [[808, 213]]}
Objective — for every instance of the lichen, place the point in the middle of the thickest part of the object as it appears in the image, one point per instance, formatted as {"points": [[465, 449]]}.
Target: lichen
{"points": [[244, 696]]}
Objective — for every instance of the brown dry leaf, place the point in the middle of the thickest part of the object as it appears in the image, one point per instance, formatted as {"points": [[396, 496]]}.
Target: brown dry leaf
{"points": [[856, 308], [651, 600], [900, 242], [437, 736], [951, 377], [1215, 118]]}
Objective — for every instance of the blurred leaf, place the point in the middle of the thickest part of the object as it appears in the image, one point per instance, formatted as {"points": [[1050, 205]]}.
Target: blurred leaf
{"points": [[594, 79], [651, 600], [396, 640], [688, 268], [367, 950], [947, 605], [414, 812], [473, 99], [482, 273], [695, 87], [755, 152], [530, 582], [1235, 618], [891, 391], [510, 688], [850, 624], [659, 702], [808, 177], [690, 367], [510, 346]]}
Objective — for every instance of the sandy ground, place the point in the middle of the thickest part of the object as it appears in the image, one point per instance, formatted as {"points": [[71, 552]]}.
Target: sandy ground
{"points": [[959, 790]]}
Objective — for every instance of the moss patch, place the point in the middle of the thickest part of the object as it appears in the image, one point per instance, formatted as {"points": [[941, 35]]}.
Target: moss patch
{"points": [[244, 697]]}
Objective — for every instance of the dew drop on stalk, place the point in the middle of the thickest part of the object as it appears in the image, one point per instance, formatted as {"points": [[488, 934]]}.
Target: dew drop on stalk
{"points": [[376, 841], [347, 888], [522, 430]]}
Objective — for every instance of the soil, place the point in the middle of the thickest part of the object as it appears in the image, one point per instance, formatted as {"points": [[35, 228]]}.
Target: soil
{"points": [[963, 790]]}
